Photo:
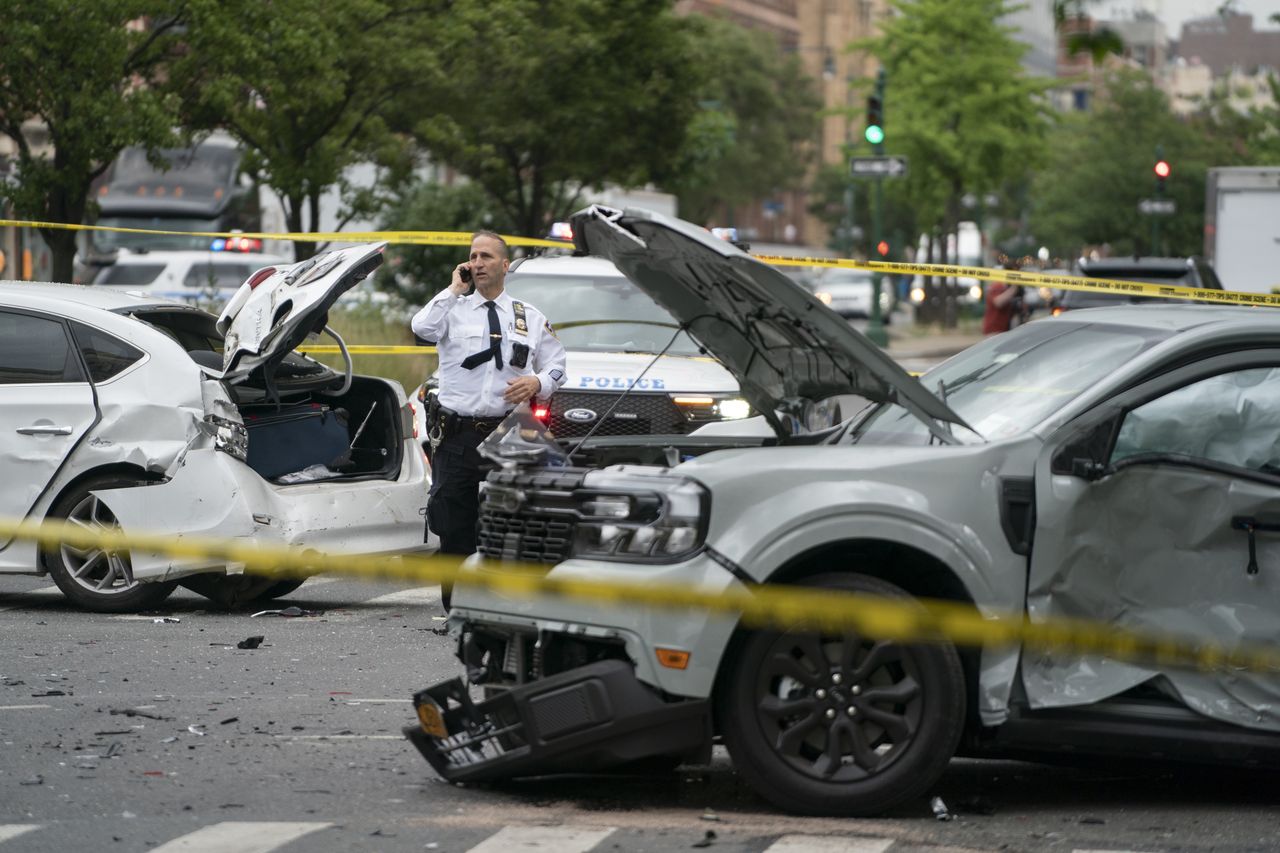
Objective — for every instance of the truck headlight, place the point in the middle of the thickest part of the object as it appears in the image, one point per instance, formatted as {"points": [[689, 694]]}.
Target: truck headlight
{"points": [[640, 517]]}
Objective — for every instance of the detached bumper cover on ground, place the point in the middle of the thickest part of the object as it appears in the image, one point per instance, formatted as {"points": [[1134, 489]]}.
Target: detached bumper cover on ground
{"points": [[590, 718]]}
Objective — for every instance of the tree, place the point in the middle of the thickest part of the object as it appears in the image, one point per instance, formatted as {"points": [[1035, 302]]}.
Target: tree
{"points": [[304, 85], [541, 99], [1088, 193], [84, 77], [416, 273], [968, 122], [757, 109]]}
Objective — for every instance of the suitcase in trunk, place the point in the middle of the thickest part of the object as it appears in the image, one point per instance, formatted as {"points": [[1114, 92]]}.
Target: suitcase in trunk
{"points": [[295, 437]]}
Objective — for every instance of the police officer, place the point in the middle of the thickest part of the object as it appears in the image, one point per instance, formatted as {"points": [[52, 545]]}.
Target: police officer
{"points": [[495, 353]]}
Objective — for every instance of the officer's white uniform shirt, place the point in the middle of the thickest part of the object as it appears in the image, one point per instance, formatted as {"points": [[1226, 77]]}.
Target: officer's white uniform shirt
{"points": [[460, 327]]}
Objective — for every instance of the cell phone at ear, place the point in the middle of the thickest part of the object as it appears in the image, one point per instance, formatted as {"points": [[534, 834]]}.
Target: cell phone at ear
{"points": [[465, 275]]}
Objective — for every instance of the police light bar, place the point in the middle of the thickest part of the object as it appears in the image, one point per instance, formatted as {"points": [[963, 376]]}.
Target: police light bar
{"points": [[236, 244], [561, 231], [730, 234]]}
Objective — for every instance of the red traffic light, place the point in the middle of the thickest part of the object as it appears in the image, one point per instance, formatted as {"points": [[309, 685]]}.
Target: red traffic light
{"points": [[1162, 169], [883, 248]]}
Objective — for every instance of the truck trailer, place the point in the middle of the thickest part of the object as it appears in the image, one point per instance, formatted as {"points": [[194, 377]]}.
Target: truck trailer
{"points": [[1242, 227]]}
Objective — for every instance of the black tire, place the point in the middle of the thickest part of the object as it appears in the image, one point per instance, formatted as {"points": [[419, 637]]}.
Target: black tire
{"points": [[893, 712], [280, 589], [91, 578]]}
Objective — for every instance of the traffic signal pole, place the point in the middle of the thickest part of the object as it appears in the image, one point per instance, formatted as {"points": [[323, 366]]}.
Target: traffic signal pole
{"points": [[875, 326], [1161, 173]]}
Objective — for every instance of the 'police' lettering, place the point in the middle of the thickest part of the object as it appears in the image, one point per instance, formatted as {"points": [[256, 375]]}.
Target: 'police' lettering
{"points": [[619, 382]]}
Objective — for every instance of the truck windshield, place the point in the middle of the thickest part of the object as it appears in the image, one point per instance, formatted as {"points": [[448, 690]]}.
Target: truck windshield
{"points": [[1009, 383], [605, 314]]}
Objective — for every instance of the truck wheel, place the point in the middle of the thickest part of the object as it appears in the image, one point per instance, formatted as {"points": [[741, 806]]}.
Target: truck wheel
{"points": [[93, 578], [833, 724]]}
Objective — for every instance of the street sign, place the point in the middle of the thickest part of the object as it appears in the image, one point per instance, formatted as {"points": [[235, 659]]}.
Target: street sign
{"points": [[877, 167], [1158, 206]]}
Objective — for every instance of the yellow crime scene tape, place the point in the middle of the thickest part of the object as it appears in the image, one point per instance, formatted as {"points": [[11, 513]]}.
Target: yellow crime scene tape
{"points": [[1034, 279], [758, 606], [463, 238]]}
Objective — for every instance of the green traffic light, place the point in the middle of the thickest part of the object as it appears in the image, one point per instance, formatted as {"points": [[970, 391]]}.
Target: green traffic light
{"points": [[874, 134]]}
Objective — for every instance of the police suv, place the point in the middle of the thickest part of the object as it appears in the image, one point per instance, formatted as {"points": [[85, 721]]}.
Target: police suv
{"points": [[632, 370]]}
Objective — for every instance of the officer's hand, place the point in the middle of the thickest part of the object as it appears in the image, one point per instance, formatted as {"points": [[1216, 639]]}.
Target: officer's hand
{"points": [[521, 388], [457, 286]]}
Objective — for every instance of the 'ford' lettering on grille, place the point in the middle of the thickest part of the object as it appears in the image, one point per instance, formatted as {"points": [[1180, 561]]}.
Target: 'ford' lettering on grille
{"points": [[620, 383], [582, 416]]}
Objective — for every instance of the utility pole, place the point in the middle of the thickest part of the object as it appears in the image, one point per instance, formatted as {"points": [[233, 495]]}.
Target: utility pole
{"points": [[1161, 169], [875, 135]]}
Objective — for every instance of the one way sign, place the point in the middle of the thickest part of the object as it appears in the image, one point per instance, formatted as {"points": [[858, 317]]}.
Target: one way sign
{"points": [[877, 167]]}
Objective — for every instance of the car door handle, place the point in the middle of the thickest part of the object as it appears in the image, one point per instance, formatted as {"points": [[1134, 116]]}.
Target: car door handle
{"points": [[44, 430], [1249, 525]]}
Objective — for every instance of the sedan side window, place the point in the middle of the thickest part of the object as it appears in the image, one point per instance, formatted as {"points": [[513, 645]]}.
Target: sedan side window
{"points": [[34, 350], [105, 356], [1229, 419]]}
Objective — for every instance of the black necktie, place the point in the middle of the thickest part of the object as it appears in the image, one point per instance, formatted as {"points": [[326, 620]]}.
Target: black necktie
{"points": [[494, 351]]}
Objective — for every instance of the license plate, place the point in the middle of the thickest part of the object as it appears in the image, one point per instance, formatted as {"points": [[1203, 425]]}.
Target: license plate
{"points": [[432, 722]]}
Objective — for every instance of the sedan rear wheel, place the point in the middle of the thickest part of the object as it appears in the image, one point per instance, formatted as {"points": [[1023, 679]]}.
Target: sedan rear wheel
{"points": [[96, 578], [841, 724]]}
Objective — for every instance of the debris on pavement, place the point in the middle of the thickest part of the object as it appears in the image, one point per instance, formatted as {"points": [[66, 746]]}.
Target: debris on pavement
{"points": [[710, 815], [166, 620], [137, 712], [250, 642], [940, 809], [287, 612], [229, 720], [34, 780], [707, 840], [196, 730]]}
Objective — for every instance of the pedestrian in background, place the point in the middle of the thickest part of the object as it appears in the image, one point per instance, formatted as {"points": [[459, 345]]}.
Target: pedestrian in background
{"points": [[495, 353], [1003, 302]]}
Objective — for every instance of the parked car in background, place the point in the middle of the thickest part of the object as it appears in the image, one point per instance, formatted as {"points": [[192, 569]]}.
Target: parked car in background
{"points": [[204, 278], [125, 411], [1184, 272], [1115, 465], [848, 292]]}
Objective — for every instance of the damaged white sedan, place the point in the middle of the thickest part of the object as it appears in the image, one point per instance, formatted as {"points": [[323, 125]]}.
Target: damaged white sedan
{"points": [[121, 411]]}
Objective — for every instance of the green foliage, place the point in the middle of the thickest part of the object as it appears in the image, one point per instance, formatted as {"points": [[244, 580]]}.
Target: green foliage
{"points": [[958, 102], [540, 99], [1100, 168], [756, 109], [827, 203], [416, 273], [90, 77], [303, 85]]}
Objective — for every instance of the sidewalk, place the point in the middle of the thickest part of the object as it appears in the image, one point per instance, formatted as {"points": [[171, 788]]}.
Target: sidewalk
{"points": [[908, 343]]}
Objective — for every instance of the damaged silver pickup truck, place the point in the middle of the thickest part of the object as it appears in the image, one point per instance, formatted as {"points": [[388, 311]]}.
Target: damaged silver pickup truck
{"points": [[119, 410], [1118, 464]]}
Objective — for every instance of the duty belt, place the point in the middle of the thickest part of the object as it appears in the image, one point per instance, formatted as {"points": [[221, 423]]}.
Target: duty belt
{"points": [[483, 426]]}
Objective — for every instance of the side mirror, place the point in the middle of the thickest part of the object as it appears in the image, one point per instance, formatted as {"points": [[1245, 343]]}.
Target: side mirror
{"points": [[1085, 454]]}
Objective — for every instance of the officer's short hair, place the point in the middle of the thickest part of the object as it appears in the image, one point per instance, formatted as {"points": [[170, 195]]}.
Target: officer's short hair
{"points": [[506, 250]]}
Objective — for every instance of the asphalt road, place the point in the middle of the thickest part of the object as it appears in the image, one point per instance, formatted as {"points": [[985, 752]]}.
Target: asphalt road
{"points": [[127, 734]]}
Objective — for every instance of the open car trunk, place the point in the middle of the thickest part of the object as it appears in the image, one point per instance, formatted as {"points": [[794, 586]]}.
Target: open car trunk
{"points": [[324, 434]]}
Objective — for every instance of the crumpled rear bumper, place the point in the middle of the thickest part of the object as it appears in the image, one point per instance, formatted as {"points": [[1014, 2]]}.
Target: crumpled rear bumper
{"points": [[590, 718]]}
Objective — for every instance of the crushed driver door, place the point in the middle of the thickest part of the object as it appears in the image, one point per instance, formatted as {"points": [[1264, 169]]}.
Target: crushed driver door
{"points": [[1161, 512]]}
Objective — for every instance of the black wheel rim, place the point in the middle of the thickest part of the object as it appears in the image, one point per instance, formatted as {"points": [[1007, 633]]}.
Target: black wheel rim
{"points": [[838, 708]]}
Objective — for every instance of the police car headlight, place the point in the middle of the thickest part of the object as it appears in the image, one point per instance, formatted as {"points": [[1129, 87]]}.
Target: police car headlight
{"points": [[640, 518], [734, 409]]}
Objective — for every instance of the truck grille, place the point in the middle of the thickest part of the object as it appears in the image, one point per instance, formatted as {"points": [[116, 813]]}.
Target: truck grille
{"points": [[524, 533], [637, 414]]}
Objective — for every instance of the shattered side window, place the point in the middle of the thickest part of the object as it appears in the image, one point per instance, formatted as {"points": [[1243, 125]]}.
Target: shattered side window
{"points": [[1230, 419]]}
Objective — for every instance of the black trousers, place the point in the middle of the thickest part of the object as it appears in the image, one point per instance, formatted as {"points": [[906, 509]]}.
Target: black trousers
{"points": [[453, 505]]}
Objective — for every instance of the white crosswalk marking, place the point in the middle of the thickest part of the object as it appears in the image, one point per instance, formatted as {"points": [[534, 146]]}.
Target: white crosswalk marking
{"points": [[828, 844], [13, 830], [241, 836], [554, 839], [417, 595]]}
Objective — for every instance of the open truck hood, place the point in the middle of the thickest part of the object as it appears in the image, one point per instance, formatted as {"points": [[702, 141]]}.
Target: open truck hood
{"points": [[266, 320], [787, 350]]}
